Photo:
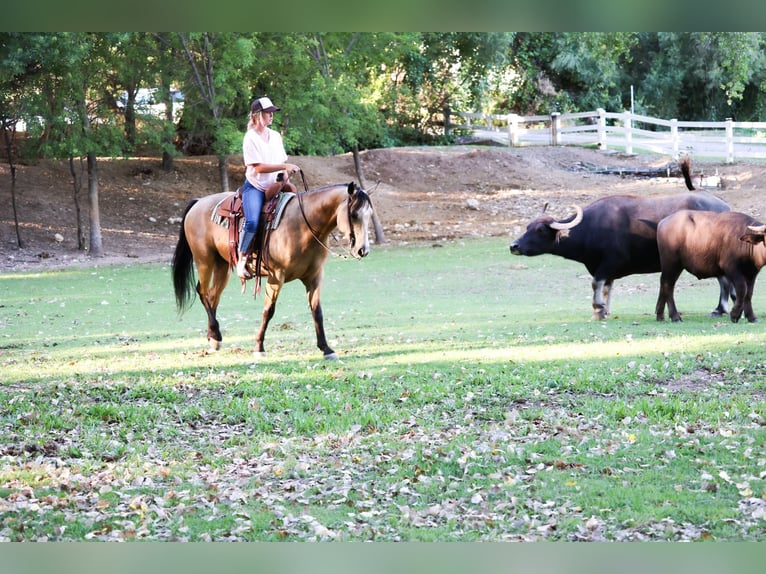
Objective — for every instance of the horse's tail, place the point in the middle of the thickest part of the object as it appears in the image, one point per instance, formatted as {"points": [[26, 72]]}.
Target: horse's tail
{"points": [[183, 267]]}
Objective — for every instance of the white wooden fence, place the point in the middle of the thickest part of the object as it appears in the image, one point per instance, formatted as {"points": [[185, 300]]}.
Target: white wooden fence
{"points": [[728, 140]]}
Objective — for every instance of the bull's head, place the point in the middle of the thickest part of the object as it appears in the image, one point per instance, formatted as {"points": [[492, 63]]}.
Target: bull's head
{"points": [[544, 233], [755, 234]]}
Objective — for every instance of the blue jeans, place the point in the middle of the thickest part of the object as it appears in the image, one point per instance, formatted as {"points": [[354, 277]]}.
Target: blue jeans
{"points": [[252, 203]]}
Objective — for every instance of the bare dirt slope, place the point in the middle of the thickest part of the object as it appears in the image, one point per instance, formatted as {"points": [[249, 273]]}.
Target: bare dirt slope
{"points": [[422, 194]]}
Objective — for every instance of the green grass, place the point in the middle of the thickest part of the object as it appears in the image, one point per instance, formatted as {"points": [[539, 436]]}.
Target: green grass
{"points": [[474, 399]]}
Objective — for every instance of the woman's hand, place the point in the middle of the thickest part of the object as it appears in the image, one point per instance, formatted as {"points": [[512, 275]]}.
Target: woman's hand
{"points": [[291, 168]]}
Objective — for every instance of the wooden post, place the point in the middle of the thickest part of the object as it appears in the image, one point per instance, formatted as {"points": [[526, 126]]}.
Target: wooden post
{"points": [[447, 124], [628, 124], [513, 130], [674, 137], [601, 128], [555, 127], [729, 140]]}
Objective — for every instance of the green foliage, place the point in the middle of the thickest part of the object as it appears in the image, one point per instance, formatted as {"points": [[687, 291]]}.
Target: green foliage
{"points": [[339, 90], [588, 66], [216, 67]]}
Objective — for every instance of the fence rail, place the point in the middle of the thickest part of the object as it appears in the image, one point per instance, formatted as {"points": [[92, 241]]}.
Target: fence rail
{"points": [[629, 132]]}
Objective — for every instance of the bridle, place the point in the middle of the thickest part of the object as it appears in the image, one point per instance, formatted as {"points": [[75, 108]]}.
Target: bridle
{"points": [[351, 234]]}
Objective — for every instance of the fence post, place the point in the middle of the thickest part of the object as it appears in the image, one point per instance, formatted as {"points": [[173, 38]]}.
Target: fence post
{"points": [[601, 128], [488, 118], [628, 124], [674, 137], [513, 130], [729, 140], [555, 126], [447, 120]]}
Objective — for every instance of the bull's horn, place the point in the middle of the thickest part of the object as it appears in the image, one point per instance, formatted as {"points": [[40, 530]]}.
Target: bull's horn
{"points": [[757, 228], [577, 219]]}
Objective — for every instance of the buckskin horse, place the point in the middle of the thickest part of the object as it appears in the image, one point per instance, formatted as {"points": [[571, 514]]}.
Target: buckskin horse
{"points": [[296, 249]]}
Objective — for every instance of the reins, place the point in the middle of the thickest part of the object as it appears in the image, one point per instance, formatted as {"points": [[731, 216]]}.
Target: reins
{"points": [[352, 236]]}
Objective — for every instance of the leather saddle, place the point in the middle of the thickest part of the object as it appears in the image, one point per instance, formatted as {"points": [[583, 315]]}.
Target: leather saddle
{"points": [[230, 213]]}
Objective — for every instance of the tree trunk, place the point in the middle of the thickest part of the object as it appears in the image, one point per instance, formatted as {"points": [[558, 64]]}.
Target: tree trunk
{"points": [[130, 118], [76, 187], [167, 139], [379, 235], [223, 172], [12, 167], [94, 217]]}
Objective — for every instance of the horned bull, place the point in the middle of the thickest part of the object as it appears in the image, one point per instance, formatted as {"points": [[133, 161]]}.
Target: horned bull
{"points": [[616, 236], [708, 244]]}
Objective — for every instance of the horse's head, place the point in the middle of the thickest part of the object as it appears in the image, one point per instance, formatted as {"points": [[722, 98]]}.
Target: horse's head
{"points": [[353, 220]]}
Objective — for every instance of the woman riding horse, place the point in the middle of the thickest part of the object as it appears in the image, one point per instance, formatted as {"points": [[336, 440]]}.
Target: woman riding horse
{"points": [[266, 173], [297, 249]]}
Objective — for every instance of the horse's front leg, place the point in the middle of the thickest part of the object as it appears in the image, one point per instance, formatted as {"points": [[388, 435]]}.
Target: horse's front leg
{"points": [[273, 287], [312, 291]]}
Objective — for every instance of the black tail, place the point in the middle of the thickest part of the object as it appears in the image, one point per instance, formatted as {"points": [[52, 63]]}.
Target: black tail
{"points": [[183, 267], [685, 165]]}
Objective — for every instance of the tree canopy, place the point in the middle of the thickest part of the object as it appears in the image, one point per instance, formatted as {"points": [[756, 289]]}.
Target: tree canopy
{"points": [[340, 90]]}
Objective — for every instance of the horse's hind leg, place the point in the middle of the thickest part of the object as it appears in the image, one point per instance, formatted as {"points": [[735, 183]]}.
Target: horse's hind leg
{"points": [[210, 295]]}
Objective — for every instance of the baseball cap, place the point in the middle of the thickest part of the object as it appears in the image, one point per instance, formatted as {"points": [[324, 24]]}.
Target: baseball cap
{"points": [[263, 104]]}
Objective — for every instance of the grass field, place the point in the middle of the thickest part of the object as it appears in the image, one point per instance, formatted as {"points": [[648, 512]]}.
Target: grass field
{"points": [[474, 399]]}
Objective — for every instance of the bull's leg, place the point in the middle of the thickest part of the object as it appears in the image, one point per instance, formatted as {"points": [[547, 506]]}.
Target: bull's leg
{"points": [[749, 303], [606, 292], [312, 292], [668, 280], [723, 298], [273, 287], [740, 287], [600, 306], [659, 309]]}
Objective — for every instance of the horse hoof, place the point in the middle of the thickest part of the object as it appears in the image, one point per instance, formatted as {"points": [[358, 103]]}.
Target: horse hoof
{"points": [[331, 357], [259, 355], [213, 344]]}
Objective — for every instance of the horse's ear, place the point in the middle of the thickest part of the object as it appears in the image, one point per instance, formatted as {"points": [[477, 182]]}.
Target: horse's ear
{"points": [[351, 188]]}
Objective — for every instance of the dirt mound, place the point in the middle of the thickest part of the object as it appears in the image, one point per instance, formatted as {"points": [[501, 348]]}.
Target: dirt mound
{"points": [[420, 194]]}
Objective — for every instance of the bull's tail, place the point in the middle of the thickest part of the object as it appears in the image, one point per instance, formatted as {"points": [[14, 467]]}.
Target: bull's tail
{"points": [[685, 165], [183, 267]]}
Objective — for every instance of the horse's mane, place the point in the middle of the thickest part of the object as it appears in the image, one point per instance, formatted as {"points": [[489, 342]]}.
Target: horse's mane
{"points": [[325, 187]]}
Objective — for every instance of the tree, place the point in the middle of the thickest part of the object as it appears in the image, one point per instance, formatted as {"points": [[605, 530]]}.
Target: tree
{"points": [[13, 71], [588, 65], [699, 76], [65, 110], [217, 70], [441, 71]]}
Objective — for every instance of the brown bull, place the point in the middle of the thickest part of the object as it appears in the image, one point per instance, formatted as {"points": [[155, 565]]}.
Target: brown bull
{"points": [[708, 244]]}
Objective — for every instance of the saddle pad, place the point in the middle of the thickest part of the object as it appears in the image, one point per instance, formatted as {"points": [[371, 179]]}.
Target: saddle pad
{"points": [[284, 199]]}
